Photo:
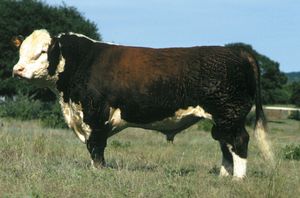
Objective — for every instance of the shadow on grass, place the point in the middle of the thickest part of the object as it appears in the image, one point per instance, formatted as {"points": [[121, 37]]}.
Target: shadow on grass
{"points": [[137, 167], [276, 121], [115, 165], [257, 173], [214, 171], [179, 172]]}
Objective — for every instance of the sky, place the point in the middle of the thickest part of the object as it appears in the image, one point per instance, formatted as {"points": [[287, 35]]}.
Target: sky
{"points": [[272, 27]]}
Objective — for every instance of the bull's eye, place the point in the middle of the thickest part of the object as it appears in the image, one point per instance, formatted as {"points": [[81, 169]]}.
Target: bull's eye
{"points": [[38, 55]]}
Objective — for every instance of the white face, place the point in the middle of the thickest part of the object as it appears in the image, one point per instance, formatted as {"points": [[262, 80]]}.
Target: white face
{"points": [[33, 62]]}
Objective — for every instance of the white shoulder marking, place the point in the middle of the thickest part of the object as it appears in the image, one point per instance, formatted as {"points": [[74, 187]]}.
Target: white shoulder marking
{"points": [[74, 118]]}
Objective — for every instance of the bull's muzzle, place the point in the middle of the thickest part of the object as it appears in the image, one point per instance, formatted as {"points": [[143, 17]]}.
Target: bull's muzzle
{"points": [[18, 70]]}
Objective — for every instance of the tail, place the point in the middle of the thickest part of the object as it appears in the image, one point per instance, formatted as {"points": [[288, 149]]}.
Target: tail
{"points": [[261, 122]]}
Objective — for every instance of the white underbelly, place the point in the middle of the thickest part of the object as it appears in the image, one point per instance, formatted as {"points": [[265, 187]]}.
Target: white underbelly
{"points": [[182, 118]]}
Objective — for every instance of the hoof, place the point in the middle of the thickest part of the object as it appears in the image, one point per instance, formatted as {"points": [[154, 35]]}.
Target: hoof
{"points": [[97, 164], [235, 178], [170, 142]]}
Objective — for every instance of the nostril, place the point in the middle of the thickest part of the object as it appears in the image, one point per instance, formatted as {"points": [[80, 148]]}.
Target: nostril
{"points": [[20, 69]]}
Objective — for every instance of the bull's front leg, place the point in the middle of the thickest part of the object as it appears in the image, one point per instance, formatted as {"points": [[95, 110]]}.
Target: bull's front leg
{"points": [[96, 116], [96, 145]]}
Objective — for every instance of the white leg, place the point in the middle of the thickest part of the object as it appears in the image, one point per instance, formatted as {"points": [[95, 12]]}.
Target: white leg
{"points": [[239, 165]]}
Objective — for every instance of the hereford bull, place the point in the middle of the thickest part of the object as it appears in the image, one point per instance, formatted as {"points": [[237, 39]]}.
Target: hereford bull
{"points": [[103, 88]]}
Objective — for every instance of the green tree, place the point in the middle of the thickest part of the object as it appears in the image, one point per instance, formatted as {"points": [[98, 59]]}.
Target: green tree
{"points": [[272, 81], [295, 97], [21, 17]]}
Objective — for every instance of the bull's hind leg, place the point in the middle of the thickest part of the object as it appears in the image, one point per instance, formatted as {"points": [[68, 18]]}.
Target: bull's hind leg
{"points": [[227, 161], [239, 151], [234, 146]]}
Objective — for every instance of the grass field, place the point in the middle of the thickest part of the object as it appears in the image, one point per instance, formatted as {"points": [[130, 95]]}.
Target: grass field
{"points": [[38, 162]]}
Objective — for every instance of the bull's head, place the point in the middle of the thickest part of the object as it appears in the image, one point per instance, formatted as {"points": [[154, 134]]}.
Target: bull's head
{"points": [[36, 57]]}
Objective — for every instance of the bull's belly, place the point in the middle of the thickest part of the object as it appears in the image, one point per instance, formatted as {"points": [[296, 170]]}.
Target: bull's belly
{"points": [[182, 119], [170, 124]]}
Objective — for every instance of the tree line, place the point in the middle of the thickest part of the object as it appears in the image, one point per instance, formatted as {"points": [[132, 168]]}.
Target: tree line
{"points": [[274, 83], [21, 17]]}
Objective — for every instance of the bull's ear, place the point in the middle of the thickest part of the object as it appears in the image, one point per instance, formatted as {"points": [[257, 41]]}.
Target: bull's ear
{"points": [[16, 41]]}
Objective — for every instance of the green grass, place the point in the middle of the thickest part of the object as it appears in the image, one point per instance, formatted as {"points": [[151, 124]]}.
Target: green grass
{"points": [[39, 162]]}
